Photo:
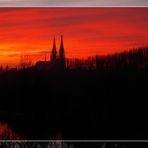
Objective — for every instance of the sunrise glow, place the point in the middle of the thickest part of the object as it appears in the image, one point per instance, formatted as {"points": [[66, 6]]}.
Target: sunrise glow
{"points": [[86, 31]]}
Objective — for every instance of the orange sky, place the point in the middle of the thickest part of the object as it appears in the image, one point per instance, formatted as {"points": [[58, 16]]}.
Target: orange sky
{"points": [[86, 31]]}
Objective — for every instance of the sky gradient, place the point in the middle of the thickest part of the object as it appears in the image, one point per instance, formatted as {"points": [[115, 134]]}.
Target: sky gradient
{"points": [[73, 3], [86, 31]]}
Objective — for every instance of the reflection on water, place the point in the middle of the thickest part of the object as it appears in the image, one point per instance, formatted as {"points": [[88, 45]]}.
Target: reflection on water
{"points": [[7, 133]]}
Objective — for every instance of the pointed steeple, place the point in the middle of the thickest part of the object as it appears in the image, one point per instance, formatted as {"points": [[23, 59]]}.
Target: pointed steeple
{"points": [[54, 52], [61, 51], [54, 45], [61, 45], [62, 54]]}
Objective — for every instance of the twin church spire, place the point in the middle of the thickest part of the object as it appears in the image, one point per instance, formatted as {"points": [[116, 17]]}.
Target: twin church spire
{"points": [[58, 58]]}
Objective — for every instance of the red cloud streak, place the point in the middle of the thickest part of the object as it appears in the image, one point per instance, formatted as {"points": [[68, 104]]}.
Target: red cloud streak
{"points": [[86, 31]]}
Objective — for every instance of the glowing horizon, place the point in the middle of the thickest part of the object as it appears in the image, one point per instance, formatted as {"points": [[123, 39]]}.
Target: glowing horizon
{"points": [[72, 3], [86, 31]]}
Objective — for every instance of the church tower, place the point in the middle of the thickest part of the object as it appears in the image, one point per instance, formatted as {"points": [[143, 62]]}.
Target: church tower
{"points": [[53, 57], [62, 54]]}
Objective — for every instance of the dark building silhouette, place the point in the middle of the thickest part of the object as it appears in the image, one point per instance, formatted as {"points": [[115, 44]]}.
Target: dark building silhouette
{"points": [[56, 62], [62, 54], [53, 56]]}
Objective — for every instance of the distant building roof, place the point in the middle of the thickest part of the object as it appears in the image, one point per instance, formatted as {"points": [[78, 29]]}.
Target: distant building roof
{"points": [[43, 65]]}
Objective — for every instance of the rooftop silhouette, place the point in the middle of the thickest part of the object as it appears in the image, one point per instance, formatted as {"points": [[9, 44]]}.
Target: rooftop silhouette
{"points": [[57, 60]]}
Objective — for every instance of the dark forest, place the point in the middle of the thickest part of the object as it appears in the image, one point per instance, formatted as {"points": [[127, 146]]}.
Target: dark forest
{"points": [[102, 97]]}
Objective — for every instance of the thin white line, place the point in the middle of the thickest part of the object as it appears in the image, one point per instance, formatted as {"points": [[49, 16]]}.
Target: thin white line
{"points": [[74, 141], [48, 6]]}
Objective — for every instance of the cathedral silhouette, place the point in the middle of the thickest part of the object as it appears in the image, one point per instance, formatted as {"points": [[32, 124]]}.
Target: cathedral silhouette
{"points": [[57, 60]]}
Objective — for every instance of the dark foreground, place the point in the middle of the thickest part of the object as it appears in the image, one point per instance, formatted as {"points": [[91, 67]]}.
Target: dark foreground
{"points": [[77, 104], [60, 144]]}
